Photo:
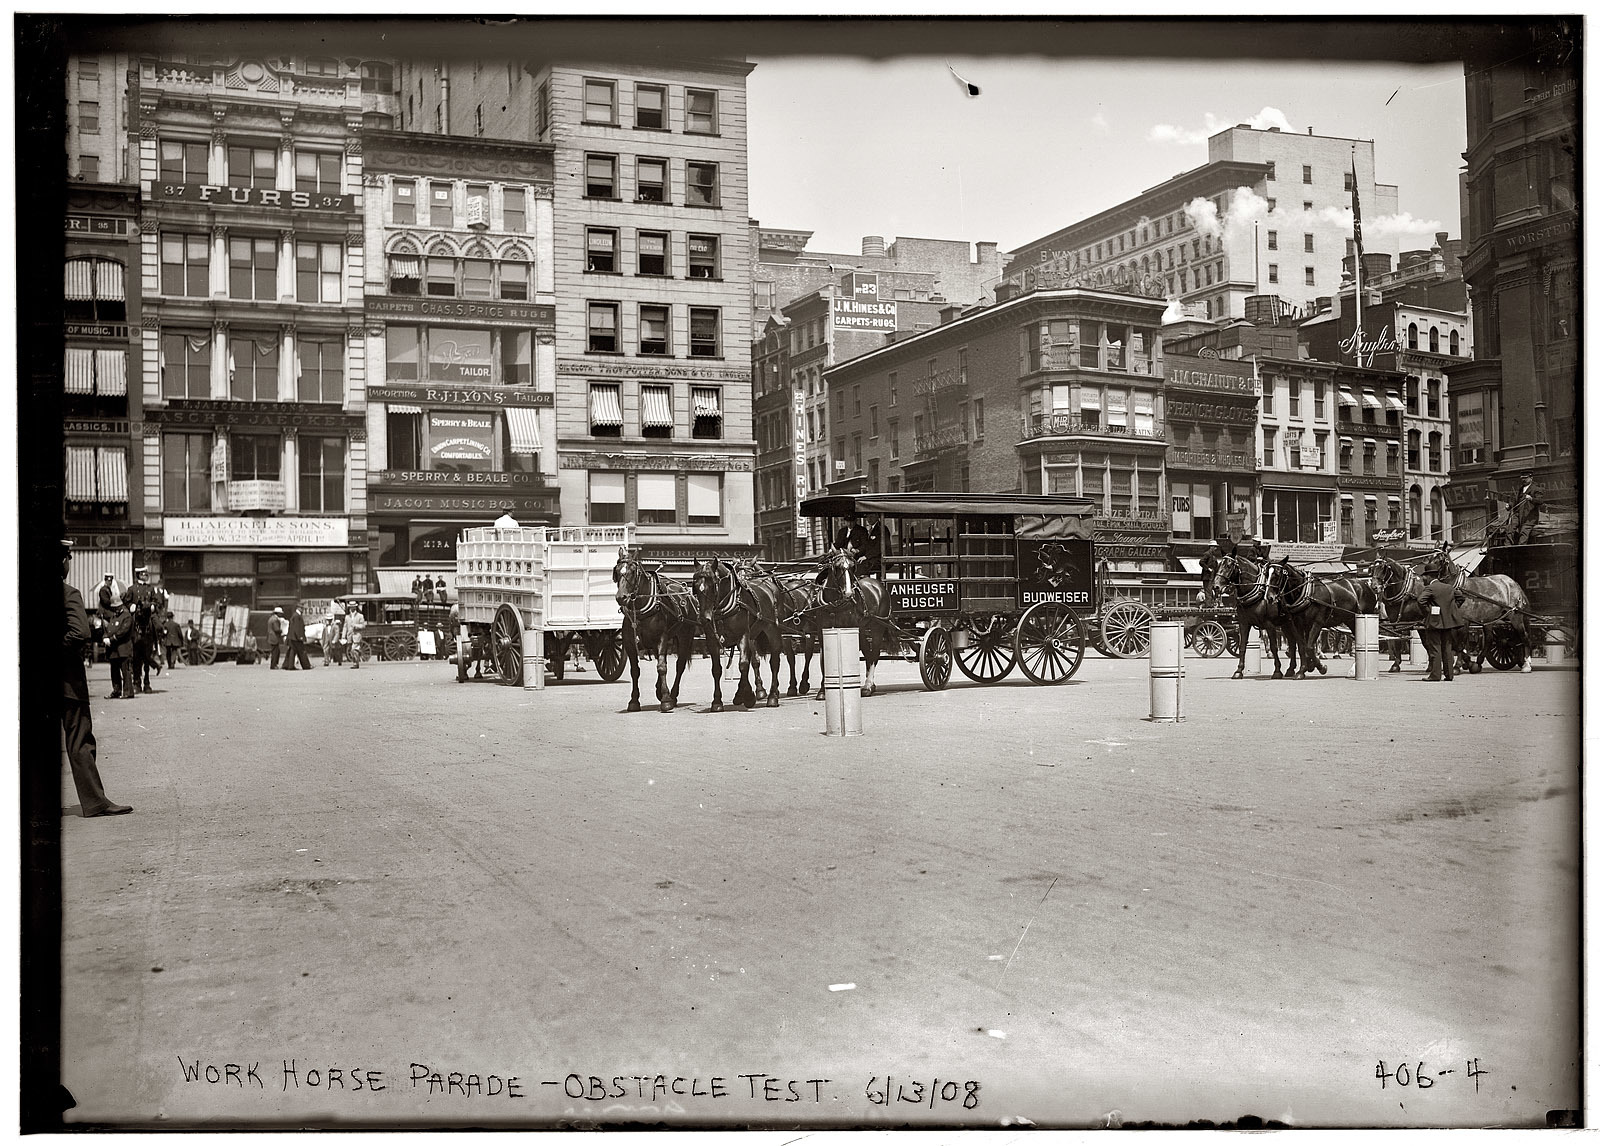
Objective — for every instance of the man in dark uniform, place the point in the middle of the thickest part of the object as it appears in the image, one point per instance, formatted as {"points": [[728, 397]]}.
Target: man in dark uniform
{"points": [[76, 724], [118, 641], [1440, 620], [1525, 510], [1249, 548], [862, 542], [108, 594]]}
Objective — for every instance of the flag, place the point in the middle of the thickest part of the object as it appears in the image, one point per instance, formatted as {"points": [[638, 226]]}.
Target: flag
{"points": [[1355, 204]]}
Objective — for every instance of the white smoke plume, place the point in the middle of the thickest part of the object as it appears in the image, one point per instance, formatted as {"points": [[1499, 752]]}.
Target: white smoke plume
{"points": [[1203, 217], [1261, 120], [1246, 208]]}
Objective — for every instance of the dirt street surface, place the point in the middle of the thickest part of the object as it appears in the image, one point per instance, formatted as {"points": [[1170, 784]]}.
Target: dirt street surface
{"points": [[380, 897]]}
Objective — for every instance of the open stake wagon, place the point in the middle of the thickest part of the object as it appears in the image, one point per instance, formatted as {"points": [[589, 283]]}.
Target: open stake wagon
{"points": [[528, 593], [1131, 602], [982, 581]]}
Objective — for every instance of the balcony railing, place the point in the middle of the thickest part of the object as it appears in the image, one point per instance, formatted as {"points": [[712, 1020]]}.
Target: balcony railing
{"points": [[1211, 459], [944, 438], [330, 91], [1051, 425], [940, 382], [1350, 429]]}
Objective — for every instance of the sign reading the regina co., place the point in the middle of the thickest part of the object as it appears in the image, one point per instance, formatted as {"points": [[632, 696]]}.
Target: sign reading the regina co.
{"points": [[235, 532]]}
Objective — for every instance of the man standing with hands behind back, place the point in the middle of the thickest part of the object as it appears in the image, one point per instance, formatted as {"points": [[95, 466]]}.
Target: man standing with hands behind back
{"points": [[1440, 620], [75, 720]]}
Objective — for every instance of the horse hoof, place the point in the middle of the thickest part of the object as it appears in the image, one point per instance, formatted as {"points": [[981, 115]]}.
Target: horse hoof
{"points": [[716, 706], [1277, 675], [1323, 669], [667, 705], [1238, 674], [793, 691], [633, 706]]}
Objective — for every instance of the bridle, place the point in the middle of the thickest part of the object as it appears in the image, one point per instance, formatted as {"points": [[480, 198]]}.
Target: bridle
{"points": [[1228, 569], [631, 569], [1407, 577], [735, 588]]}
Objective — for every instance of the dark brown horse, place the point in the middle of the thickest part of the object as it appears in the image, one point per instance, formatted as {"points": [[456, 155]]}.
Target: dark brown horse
{"points": [[849, 601], [657, 616], [802, 635], [1317, 603], [743, 609], [1494, 604], [1398, 589], [1256, 605]]}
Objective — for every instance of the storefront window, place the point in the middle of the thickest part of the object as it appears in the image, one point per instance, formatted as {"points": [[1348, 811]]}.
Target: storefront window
{"points": [[461, 441], [458, 355], [516, 357]]}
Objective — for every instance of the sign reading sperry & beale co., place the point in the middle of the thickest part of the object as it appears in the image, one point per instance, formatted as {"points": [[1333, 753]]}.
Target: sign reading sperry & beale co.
{"points": [[214, 195]]}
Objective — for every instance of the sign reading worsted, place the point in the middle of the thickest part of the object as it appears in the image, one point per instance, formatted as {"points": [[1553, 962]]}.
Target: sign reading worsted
{"points": [[234, 532]]}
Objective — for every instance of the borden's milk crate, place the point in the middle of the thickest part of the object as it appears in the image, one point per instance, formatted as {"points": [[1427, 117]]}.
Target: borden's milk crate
{"points": [[555, 578]]}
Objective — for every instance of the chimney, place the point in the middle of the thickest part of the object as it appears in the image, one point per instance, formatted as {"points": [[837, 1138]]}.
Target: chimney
{"points": [[872, 246], [949, 314], [1003, 291], [1272, 129], [1440, 238], [1311, 131]]}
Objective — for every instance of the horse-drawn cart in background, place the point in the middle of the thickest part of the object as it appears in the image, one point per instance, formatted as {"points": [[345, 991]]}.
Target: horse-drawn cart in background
{"points": [[981, 581], [1548, 574], [536, 591], [1131, 602]]}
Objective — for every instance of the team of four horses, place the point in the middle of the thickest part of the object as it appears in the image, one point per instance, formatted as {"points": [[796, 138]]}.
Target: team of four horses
{"points": [[1279, 598]]}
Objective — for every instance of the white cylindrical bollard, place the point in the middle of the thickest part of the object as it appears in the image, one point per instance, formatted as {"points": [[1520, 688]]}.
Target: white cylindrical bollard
{"points": [[1366, 646], [1419, 651], [1166, 671], [1252, 654], [1555, 651], [841, 681], [533, 657]]}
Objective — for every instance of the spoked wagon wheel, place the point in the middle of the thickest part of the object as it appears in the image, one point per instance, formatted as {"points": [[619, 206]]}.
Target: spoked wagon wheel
{"points": [[1125, 629], [1209, 639], [445, 642], [1506, 650], [401, 646], [989, 654], [506, 645], [934, 657], [1049, 643], [205, 649], [604, 647], [1233, 642], [1469, 648]]}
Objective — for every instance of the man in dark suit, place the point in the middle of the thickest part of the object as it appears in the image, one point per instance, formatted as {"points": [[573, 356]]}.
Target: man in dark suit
{"points": [[76, 723], [1440, 620], [297, 642], [118, 641]]}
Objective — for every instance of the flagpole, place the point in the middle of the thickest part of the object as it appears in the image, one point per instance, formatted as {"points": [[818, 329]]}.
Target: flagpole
{"points": [[1357, 213]]}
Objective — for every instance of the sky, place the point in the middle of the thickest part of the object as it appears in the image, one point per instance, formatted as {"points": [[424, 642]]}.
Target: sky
{"points": [[850, 147]]}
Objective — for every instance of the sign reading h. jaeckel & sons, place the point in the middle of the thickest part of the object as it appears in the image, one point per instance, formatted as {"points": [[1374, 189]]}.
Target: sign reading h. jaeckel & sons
{"points": [[313, 532]]}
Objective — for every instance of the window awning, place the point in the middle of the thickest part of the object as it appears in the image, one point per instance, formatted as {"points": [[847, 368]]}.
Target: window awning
{"points": [[1347, 397], [707, 403], [1088, 399], [405, 267], [403, 408], [79, 371], [657, 405], [80, 473], [1394, 403], [523, 424], [1368, 398], [605, 406], [109, 280], [111, 371], [80, 280], [113, 473]]}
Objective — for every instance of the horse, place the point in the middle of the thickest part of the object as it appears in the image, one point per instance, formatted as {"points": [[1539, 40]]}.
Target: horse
{"points": [[1316, 603], [802, 635], [1398, 589], [658, 616], [1256, 605], [148, 607], [738, 609], [1493, 602], [850, 601]]}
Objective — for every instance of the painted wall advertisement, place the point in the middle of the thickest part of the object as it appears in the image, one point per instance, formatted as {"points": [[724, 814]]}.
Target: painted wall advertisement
{"points": [[1058, 571], [461, 441], [861, 309], [251, 532], [459, 356], [797, 414]]}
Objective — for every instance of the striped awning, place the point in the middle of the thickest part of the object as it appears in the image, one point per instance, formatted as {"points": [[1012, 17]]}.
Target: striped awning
{"points": [[80, 280], [523, 425], [707, 402], [656, 404], [79, 371], [405, 267], [1394, 403], [111, 372], [109, 278], [1368, 398], [403, 408], [90, 566], [605, 406], [1347, 397], [80, 473], [113, 472]]}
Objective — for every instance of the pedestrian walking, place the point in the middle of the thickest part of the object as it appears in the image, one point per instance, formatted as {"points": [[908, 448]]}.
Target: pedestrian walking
{"points": [[1441, 618], [77, 726], [296, 651], [330, 637], [276, 627], [171, 639], [354, 623], [118, 641]]}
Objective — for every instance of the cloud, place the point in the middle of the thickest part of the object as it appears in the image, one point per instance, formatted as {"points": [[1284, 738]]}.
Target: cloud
{"points": [[1400, 225], [1261, 120]]}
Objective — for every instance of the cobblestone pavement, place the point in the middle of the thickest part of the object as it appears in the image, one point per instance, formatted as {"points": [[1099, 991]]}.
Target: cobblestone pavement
{"points": [[1319, 902]]}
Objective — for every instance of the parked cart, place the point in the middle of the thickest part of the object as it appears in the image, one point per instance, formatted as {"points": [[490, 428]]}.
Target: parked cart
{"points": [[1131, 602], [528, 594]]}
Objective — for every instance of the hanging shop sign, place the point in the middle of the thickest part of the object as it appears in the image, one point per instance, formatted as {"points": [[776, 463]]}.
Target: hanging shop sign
{"points": [[461, 438]]}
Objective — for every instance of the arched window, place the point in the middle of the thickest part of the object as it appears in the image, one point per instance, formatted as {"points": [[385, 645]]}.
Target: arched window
{"points": [[516, 272], [1436, 525], [1144, 265], [1433, 339], [1413, 449], [1455, 342], [1158, 261], [1411, 337], [405, 268], [1435, 452], [1414, 509]]}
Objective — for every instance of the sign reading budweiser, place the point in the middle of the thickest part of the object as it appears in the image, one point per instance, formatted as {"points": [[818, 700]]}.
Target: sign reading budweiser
{"points": [[213, 195], [1219, 375]]}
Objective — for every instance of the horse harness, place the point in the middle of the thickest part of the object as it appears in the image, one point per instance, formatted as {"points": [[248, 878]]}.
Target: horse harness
{"points": [[657, 599]]}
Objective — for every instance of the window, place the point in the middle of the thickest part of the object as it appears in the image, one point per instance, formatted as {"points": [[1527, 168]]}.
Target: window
{"points": [[654, 329], [1321, 398], [514, 206], [655, 410], [1294, 397], [1272, 272], [88, 117], [872, 415], [441, 277], [1436, 514], [405, 274], [600, 176], [404, 202], [1311, 276], [657, 497], [541, 108], [1433, 398], [1305, 173], [1414, 449], [1272, 171], [599, 101], [894, 439], [605, 409], [516, 357], [653, 253], [185, 265], [441, 205], [1272, 240], [459, 355], [1433, 339], [704, 498], [321, 66], [707, 412], [185, 472], [321, 474], [1349, 181], [1311, 243], [252, 167], [185, 364], [253, 368], [703, 257], [1391, 459], [513, 280], [89, 168], [318, 171], [477, 120], [703, 332], [602, 327], [652, 181], [1346, 455], [253, 269], [1435, 452], [1269, 392], [607, 498], [1269, 446], [700, 112], [701, 190], [1272, 205], [1306, 206], [1411, 395], [321, 370], [318, 271], [377, 78], [184, 161], [1369, 458], [404, 354], [650, 107], [255, 457], [601, 249], [1455, 342]]}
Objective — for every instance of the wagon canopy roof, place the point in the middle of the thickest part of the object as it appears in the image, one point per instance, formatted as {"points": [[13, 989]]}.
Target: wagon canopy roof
{"points": [[946, 505]]}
